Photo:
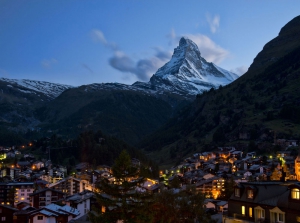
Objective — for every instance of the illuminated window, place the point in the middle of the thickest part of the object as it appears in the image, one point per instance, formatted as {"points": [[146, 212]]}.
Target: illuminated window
{"points": [[243, 210], [250, 212], [237, 192], [250, 194], [295, 193]]}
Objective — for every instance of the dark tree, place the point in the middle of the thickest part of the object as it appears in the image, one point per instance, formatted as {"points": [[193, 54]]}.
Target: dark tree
{"points": [[121, 200]]}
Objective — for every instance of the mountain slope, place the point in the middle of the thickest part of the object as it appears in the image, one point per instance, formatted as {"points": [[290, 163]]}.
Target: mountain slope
{"points": [[19, 99], [126, 114], [262, 103]]}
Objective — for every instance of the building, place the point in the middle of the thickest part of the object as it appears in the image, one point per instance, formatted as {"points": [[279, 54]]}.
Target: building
{"points": [[80, 201], [297, 167], [53, 213], [15, 192], [71, 185], [45, 197], [213, 186], [22, 191], [38, 165], [268, 202], [6, 213]]}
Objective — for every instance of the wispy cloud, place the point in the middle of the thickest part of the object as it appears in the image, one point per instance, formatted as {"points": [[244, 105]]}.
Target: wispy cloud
{"points": [[87, 67], [98, 36], [171, 36], [142, 69], [240, 70], [213, 21], [211, 51], [48, 63], [208, 48]]}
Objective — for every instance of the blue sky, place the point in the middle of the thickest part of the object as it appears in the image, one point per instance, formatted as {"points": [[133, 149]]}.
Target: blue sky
{"points": [[80, 42]]}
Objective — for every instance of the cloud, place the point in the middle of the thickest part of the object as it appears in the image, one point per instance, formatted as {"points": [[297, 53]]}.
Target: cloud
{"points": [[162, 54], [48, 63], [171, 36], [142, 69], [98, 36], [87, 67], [146, 67], [122, 62], [214, 22], [240, 70], [208, 48]]}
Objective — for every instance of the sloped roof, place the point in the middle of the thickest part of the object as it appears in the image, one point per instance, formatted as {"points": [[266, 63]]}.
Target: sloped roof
{"points": [[265, 193], [8, 207], [46, 189], [48, 213]]}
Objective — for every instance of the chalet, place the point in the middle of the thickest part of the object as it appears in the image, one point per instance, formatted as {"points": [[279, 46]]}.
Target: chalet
{"points": [[82, 167], [71, 185], [237, 154], [38, 165], [212, 185], [268, 202], [54, 213], [23, 164], [45, 197], [6, 213], [81, 202]]}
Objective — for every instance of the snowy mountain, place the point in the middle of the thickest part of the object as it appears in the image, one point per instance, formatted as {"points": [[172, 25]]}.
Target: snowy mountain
{"points": [[187, 72], [51, 90]]}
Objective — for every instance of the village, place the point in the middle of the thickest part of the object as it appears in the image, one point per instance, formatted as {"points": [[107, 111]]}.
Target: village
{"points": [[234, 184]]}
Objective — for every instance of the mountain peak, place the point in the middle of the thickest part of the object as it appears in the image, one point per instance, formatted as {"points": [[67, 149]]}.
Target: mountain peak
{"points": [[189, 73], [186, 42]]}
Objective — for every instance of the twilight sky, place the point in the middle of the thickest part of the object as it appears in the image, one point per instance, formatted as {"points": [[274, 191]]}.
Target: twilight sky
{"points": [[80, 42]]}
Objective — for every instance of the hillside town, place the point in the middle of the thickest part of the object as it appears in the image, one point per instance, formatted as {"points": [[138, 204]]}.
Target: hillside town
{"points": [[237, 185]]}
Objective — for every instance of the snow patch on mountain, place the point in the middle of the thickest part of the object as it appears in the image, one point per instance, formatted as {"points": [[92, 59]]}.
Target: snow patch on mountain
{"points": [[51, 90]]}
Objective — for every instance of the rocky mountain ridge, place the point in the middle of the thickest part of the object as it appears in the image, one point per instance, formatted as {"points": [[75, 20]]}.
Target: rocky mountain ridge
{"points": [[50, 90]]}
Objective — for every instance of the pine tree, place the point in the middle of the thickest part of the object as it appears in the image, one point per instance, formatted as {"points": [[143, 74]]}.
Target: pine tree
{"points": [[120, 200], [183, 207]]}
